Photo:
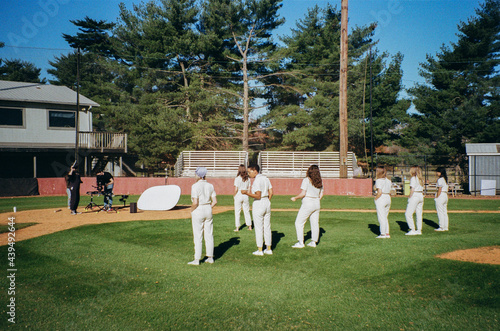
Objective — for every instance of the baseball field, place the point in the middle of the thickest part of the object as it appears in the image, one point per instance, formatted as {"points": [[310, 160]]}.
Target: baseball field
{"points": [[123, 271]]}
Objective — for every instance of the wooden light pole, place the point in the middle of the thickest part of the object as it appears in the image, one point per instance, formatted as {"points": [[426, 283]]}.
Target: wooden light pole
{"points": [[77, 114], [343, 91]]}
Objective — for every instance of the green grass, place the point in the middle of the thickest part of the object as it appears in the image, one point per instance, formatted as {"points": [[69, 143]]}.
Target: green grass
{"points": [[134, 276], [280, 201]]}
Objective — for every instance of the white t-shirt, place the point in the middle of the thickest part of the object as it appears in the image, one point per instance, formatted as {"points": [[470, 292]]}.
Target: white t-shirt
{"points": [[442, 184], [263, 184], [384, 185], [240, 184], [415, 183], [203, 191], [311, 191]]}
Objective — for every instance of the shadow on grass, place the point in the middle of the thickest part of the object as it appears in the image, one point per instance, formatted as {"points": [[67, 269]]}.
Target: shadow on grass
{"points": [[403, 226], [309, 235], [431, 223], [180, 207], [222, 248], [276, 237], [374, 228]]}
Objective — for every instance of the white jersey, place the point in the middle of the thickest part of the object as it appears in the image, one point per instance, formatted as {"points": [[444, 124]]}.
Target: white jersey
{"points": [[415, 183], [311, 191], [384, 185], [203, 191], [263, 184], [240, 184], [442, 184]]}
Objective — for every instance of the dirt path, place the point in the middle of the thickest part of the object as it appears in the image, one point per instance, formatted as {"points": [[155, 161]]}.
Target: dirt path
{"points": [[54, 220]]}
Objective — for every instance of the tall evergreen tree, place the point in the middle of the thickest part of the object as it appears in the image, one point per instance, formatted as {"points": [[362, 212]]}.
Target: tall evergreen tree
{"points": [[245, 27], [20, 71], [459, 102], [304, 116]]}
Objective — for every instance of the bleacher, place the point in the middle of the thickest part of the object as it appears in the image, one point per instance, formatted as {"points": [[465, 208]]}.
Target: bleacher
{"points": [[218, 163], [295, 164]]}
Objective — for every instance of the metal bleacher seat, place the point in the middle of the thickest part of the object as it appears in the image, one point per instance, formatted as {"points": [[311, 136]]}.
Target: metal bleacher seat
{"points": [[295, 164], [218, 163]]}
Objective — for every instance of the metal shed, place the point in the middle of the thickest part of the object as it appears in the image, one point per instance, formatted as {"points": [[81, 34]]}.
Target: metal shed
{"points": [[484, 165]]}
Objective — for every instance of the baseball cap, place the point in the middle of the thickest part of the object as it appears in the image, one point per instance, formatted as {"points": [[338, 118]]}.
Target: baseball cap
{"points": [[201, 172]]}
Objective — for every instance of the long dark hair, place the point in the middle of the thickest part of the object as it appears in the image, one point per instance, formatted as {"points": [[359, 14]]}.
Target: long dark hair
{"points": [[242, 172], [315, 176], [442, 171]]}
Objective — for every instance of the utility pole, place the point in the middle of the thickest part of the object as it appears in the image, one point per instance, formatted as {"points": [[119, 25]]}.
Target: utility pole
{"points": [[371, 118], [343, 91], [77, 115]]}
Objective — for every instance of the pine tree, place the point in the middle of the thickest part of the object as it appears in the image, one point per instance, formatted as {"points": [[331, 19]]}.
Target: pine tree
{"points": [[459, 103]]}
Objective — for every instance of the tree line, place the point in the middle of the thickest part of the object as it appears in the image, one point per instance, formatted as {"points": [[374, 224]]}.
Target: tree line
{"points": [[208, 75]]}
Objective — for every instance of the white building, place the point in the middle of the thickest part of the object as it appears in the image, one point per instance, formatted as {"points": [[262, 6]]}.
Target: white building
{"points": [[38, 132], [484, 168]]}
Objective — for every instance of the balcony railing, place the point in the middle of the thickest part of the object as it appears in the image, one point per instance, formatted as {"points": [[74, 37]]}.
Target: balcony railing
{"points": [[103, 141]]}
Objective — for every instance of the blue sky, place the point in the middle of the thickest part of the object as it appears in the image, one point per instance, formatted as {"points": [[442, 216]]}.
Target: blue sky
{"points": [[32, 29]]}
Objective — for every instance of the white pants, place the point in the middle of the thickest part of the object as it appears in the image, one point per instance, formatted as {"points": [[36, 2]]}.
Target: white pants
{"points": [[309, 209], [383, 205], [261, 210], [415, 205], [241, 200], [202, 221], [442, 210]]}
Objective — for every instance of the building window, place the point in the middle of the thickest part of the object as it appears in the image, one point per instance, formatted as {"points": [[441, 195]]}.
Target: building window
{"points": [[61, 119], [11, 117]]}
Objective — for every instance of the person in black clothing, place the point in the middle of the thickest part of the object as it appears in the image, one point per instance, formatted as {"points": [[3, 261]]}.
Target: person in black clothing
{"points": [[74, 182], [106, 182]]}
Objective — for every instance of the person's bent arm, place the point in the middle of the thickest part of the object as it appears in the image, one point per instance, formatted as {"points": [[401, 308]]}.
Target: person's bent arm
{"points": [[194, 204], [214, 201], [299, 196], [271, 193], [257, 195]]}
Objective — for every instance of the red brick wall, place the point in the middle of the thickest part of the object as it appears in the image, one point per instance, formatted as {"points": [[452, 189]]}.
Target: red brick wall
{"points": [[223, 186]]}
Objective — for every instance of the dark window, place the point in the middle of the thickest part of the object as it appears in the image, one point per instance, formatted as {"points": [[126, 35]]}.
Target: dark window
{"points": [[61, 119], [11, 116]]}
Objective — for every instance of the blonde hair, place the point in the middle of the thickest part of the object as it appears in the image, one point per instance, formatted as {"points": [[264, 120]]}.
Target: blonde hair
{"points": [[381, 172], [415, 171]]}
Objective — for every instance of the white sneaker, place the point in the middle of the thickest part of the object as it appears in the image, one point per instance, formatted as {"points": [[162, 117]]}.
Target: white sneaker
{"points": [[258, 253], [418, 232], [312, 244], [268, 252], [209, 260], [440, 229], [383, 236], [194, 262], [298, 245], [411, 233]]}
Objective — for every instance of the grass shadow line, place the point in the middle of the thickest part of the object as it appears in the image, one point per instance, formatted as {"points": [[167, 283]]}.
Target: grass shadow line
{"points": [[430, 223], [276, 238], [223, 247], [374, 228], [309, 235], [403, 226]]}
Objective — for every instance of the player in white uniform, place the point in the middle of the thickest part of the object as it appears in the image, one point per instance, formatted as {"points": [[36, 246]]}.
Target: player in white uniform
{"points": [[203, 198], [442, 199], [311, 194], [383, 201], [415, 202], [261, 192], [241, 182]]}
